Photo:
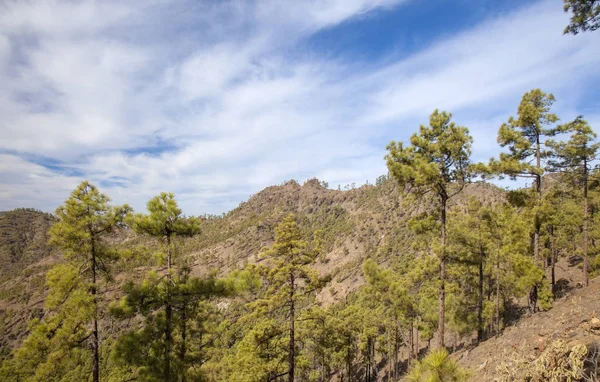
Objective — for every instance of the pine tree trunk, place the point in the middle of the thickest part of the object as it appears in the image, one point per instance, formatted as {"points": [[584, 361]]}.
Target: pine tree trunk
{"points": [[538, 190], [480, 302], [498, 292], [417, 343], [552, 261], [368, 360], [536, 238], [412, 341], [373, 359], [323, 368], [390, 361], [536, 250], [268, 358], [442, 291], [396, 351], [348, 364], [292, 348], [168, 317], [95, 339], [182, 349], [536, 244], [497, 308], [553, 272], [585, 224], [323, 371]]}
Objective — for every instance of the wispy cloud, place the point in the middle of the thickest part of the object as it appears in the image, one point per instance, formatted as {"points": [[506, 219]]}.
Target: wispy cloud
{"points": [[216, 100]]}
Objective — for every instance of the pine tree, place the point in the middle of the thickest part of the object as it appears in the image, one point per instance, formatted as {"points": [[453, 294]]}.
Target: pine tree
{"points": [[165, 222], [289, 283], [575, 157], [420, 276], [436, 162], [341, 334], [585, 15], [423, 292], [437, 366], [525, 138], [561, 217], [515, 272], [329, 342], [84, 221], [470, 247], [193, 319], [224, 359], [319, 339], [291, 258], [385, 295], [57, 347]]}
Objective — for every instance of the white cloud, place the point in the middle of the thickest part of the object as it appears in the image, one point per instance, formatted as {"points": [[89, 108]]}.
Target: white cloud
{"points": [[62, 18], [311, 15], [4, 51], [209, 72], [27, 184], [214, 102]]}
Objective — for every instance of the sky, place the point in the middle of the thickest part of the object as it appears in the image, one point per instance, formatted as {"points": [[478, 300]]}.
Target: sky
{"points": [[216, 100]]}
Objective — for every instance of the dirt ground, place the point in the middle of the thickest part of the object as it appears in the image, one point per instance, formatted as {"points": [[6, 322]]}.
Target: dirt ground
{"points": [[572, 319]]}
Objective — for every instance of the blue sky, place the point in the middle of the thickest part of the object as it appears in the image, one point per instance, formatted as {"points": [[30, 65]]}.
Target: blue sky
{"points": [[215, 100]]}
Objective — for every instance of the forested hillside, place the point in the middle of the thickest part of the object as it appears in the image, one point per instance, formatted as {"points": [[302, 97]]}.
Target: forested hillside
{"points": [[306, 283], [356, 223]]}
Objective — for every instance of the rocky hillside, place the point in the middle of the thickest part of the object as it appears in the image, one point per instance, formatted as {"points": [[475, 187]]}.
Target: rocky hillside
{"points": [[369, 221], [23, 238], [25, 256], [541, 340]]}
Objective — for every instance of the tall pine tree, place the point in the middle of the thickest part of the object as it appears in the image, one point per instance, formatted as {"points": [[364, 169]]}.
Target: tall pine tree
{"points": [[575, 157], [436, 161], [470, 247], [54, 351], [525, 137], [165, 222], [83, 223], [289, 284], [193, 320]]}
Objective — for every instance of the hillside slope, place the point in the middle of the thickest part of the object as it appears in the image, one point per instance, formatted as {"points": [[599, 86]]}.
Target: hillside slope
{"points": [[369, 221], [25, 256], [573, 320], [23, 238]]}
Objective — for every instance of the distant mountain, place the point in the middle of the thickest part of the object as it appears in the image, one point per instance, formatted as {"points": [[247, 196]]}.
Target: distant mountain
{"points": [[23, 238]]}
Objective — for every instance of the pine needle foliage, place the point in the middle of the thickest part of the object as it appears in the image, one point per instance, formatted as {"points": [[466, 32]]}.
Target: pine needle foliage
{"points": [[437, 366], [585, 16]]}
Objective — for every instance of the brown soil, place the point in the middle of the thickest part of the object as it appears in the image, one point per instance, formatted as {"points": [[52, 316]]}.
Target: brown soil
{"points": [[571, 319]]}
